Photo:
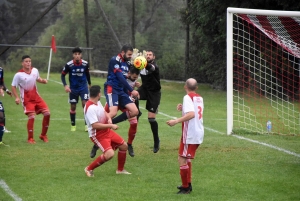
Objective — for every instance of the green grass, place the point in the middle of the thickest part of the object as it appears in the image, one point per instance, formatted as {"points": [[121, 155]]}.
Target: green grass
{"points": [[225, 167]]}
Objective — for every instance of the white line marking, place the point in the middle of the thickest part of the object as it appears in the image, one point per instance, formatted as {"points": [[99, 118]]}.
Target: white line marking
{"points": [[6, 188], [243, 138], [240, 137], [268, 145]]}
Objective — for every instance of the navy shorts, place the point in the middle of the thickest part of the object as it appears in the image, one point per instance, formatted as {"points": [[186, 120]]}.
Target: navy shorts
{"points": [[74, 95], [116, 97]]}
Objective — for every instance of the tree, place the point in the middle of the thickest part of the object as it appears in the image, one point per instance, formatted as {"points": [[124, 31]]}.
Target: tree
{"points": [[208, 26]]}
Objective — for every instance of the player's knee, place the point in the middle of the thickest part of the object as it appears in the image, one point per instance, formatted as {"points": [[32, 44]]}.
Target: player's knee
{"points": [[109, 154], [47, 113], [123, 147], [31, 116], [133, 121]]}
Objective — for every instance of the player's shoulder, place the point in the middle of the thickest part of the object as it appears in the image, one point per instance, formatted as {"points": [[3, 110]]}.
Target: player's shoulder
{"points": [[1, 69], [117, 58], [70, 63], [84, 62]]}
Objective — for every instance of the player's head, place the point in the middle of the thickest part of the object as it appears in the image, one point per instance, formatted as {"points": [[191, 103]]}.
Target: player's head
{"points": [[150, 56], [77, 54], [191, 84], [95, 91], [133, 73], [126, 52], [26, 61]]}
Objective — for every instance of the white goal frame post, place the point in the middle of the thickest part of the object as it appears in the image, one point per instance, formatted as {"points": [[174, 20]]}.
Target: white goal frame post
{"points": [[230, 62]]}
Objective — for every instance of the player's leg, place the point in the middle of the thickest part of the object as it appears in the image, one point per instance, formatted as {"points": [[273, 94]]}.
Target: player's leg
{"points": [[131, 134], [30, 126], [152, 104], [41, 107], [184, 168], [118, 142], [45, 125], [2, 121], [186, 154], [73, 100], [108, 153], [112, 100], [137, 104]]}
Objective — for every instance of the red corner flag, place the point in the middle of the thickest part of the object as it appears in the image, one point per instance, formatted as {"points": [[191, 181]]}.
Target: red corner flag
{"points": [[53, 45]]}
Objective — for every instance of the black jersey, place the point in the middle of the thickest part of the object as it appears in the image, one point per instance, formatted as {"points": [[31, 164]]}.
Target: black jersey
{"points": [[151, 79]]}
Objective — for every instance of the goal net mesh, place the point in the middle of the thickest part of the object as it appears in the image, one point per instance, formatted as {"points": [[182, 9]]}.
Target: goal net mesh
{"points": [[266, 63]]}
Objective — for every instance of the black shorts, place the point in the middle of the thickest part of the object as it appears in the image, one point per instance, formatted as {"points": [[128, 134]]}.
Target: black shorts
{"points": [[152, 99]]}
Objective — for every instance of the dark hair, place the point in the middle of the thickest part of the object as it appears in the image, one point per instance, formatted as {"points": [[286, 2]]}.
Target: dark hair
{"points": [[25, 57], [127, 47], [77, 49], [151, 51], [94, 91], [134, 70]]}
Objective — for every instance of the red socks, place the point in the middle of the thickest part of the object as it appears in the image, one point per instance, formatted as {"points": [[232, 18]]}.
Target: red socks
{"points": [[45, 124], [184, 171], [132, 132], [30, 124], [96, 163], [189, 163], [121, 159]]}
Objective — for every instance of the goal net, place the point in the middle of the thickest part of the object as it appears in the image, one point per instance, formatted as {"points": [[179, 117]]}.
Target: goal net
{"points": [[263, 70]]}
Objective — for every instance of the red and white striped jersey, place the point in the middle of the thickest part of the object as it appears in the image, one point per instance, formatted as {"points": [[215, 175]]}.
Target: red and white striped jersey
{"points": [[94, 113], [26, 82], [193, 130]]}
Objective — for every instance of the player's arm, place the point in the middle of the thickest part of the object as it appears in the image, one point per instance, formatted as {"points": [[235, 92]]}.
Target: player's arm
{"points": [[150, 67], [41, 80], [87, 74], [187, 116], [63, 78], [109, 121], [121, 78], [100, 126], [14, 92], [3, 86]]}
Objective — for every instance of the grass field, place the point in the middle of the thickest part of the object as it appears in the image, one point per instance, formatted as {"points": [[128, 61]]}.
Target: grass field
{"points": [[225, 167]]}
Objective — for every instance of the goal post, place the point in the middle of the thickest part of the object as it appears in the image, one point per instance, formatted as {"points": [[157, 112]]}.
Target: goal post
{"points": [[263, 71]]}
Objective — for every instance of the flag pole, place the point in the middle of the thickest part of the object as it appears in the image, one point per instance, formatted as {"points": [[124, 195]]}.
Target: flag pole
{"points": [[53, 48], [49, 63]]}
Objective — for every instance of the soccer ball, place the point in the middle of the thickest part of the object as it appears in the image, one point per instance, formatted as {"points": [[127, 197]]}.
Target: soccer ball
{"points": [[140, 62]]}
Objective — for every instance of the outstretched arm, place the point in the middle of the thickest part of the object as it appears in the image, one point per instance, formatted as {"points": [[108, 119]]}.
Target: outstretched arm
{"points": [[41, 80], [184, 118]]}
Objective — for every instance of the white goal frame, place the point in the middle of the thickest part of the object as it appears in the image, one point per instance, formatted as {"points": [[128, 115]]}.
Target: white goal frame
{"points": [[230, 12]]}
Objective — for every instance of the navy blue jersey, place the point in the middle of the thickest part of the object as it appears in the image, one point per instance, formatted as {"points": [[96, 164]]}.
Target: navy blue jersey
{"points": [[79, 75], [116, 66]]}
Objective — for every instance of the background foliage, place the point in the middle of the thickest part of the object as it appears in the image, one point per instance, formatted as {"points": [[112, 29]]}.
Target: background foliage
{"points": [[159, 25]]}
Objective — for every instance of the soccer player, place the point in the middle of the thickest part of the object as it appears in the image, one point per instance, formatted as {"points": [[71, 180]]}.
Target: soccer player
{"points": [[192, 132], [101, 132], [79, 77], [2, 89], [132, 77], [2, 124], [116, 97], [150, 91], [32, 102]]}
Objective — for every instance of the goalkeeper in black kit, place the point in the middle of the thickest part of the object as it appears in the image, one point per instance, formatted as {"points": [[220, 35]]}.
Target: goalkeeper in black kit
{"points": [[150, 91]]}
